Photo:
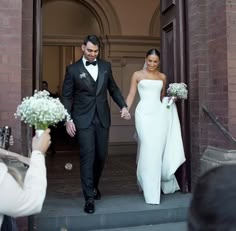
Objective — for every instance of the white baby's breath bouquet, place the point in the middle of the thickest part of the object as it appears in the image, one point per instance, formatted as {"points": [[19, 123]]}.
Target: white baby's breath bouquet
{"points": [[176, 91], [41, 110]]}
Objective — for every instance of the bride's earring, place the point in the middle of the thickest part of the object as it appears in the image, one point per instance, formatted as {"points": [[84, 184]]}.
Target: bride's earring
{"points": [[144, 65]]}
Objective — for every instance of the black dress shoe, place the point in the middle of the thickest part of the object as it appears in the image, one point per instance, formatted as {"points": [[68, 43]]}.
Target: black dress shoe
{"points": [[89, 206], [97, 194]]}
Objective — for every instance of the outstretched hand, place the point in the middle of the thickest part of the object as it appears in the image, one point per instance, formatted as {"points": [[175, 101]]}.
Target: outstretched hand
{"points": [[125, 114]]}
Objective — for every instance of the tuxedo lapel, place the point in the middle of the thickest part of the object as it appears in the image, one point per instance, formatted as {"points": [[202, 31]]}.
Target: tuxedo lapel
{"points": [[100, 77], [85, 76]]}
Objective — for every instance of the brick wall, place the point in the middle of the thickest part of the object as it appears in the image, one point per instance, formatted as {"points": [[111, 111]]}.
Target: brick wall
{"points": [[15, 68], [231, 63], [15, 62], [218, 79], [27, 62], [212, 74], [10, 64], [198, 71], [27, 46]]}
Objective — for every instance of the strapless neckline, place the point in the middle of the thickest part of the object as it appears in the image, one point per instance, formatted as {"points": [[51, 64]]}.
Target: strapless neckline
{"points": [[149, 80]]}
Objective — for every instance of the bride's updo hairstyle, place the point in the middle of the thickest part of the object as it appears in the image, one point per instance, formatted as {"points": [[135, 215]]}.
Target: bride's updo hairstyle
{"points": [[153, 51]]}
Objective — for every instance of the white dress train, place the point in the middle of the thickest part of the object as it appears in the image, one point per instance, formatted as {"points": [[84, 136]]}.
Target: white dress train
{"points": [[160, 146]]}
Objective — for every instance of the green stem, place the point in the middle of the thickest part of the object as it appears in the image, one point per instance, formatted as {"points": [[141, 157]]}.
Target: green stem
{"points": [[41, 126]]}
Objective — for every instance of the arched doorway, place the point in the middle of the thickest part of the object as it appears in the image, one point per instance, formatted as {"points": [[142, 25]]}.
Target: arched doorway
{"points": [[63, 28], [105, 26], [63, 31]]}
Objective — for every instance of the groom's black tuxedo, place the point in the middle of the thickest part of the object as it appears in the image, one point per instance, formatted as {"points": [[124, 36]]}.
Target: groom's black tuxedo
{"points": [[82, 96], [87, 102]]}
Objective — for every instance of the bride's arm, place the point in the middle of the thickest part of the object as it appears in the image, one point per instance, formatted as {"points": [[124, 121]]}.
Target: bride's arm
{"points": [[163, 91], [132, 91]]}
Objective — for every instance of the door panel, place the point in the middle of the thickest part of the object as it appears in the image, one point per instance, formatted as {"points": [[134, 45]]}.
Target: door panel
{"points": [[168, 61], [165, 5], [173, 64]]}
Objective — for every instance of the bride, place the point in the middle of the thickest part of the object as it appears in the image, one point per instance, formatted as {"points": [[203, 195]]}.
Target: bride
{"points": [[160, 146]]}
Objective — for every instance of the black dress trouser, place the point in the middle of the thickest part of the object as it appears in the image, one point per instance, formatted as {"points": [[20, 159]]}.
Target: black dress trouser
{"points": [[9, 224], [93, 146]]}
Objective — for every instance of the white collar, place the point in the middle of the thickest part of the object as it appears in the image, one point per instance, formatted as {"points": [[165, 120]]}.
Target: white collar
{"points": [[85, 60]]}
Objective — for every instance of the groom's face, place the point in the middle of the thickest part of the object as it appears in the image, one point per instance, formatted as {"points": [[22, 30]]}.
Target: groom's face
{"points": [[90, 51]]}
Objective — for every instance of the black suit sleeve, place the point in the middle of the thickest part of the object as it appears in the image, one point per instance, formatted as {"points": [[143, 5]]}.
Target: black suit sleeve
{"points": [[114, 91], [68, 90]]}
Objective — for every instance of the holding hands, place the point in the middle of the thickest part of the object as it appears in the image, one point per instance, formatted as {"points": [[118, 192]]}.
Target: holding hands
{"points": [[125, 114]]}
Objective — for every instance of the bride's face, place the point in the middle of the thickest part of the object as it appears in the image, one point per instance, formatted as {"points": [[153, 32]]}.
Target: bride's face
{"points": [[152, 62]]}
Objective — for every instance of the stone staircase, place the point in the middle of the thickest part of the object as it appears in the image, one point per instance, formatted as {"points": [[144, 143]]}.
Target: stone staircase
{"points": [[115, 213], [176, 226]]}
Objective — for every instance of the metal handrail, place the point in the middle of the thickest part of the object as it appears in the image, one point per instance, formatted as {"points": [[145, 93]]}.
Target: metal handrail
{"points": [[218, 124]]}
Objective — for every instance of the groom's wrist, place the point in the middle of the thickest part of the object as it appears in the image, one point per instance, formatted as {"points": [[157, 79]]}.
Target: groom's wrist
{"points": [[68, 121], [125, 107]]}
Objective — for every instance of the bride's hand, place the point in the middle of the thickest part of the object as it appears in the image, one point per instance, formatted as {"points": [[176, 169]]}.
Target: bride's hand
{"points": [[11, 140], [173, 98], [162, 97], [125, 114]]}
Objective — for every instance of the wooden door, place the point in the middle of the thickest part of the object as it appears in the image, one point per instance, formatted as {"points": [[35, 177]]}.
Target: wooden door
{"points": [[173, 64]]}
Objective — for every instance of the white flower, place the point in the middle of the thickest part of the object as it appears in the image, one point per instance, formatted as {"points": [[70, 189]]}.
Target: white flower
{"points": [[41, 110], [177, 91], [82, 75]]}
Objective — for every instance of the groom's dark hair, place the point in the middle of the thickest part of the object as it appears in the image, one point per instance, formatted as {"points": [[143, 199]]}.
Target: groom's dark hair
{"points": [[93, 39]]}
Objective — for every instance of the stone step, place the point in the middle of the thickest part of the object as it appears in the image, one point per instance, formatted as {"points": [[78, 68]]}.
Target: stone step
{"points": [[176, 226], [112, 212]]}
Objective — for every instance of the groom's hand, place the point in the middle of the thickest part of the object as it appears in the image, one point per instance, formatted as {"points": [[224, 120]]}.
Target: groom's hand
{"points": [[125, 113], [70, 128]]}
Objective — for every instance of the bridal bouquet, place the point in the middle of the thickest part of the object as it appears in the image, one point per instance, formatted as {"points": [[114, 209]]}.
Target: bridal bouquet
{"points": [[176, 91], [41, 110]]}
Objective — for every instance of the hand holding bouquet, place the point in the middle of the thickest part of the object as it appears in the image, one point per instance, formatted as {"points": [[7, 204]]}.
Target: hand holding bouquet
{"points": [[41, 110], [176, 91]]}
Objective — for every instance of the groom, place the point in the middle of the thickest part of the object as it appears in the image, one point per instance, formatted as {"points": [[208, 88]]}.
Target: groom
{"points": [[84, 95]]}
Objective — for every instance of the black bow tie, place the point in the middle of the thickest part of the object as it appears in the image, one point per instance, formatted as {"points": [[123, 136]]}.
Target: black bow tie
{"points": [[94, 63]]}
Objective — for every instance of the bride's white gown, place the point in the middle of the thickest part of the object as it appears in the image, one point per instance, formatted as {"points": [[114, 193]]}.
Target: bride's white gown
{"points": [[160, 146]]}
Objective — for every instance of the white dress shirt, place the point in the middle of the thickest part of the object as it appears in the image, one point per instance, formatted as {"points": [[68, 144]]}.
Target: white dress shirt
{"points": [[93, 70], [19, 201]]}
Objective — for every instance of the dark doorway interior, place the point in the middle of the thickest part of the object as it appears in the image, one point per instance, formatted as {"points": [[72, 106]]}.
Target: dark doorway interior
{"points": [[119, 176]]}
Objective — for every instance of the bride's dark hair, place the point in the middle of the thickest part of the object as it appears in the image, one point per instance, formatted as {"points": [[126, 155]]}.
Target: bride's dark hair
{"points": [[153, 51]]}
